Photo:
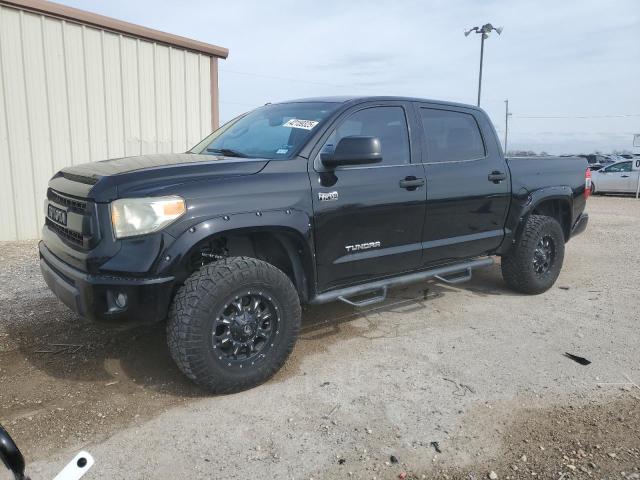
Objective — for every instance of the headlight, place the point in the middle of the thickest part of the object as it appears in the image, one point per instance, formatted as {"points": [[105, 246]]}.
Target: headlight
{"points": [[137, 216]]}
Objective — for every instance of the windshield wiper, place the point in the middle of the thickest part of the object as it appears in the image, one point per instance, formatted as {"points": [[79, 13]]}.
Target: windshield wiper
{"points": [[227, 152]]}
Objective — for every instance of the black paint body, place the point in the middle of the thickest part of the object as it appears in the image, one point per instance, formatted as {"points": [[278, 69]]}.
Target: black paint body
{"points": [[457, 214]]}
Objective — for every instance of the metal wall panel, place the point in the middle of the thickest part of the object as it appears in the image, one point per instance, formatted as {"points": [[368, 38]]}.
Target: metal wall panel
{"points": [[205, 93], [146, 81], [113, 94], [7, 210], [178, 98], [164, 116], [37, 108], [56, 84], [72, 93], [96, 108], [19, 163]]}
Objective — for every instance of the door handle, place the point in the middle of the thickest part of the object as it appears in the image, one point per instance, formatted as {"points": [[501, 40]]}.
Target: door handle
{"points": [[624, 176], [411, 183], [496, 176]]}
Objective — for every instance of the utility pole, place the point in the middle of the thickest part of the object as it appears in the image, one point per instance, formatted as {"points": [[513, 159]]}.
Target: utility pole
{"points": [[507, 114], [480, 72], [484, 33]]}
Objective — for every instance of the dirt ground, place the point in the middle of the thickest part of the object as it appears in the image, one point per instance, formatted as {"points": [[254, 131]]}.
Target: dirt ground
{"points": [[437, 382]]}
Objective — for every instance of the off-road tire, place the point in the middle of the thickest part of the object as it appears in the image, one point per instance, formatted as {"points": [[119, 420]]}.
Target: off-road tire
{"points": [[192, 319], [518, 268]]}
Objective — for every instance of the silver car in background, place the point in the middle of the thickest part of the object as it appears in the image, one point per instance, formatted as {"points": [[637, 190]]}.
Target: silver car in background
{"points": [[617, 177]]}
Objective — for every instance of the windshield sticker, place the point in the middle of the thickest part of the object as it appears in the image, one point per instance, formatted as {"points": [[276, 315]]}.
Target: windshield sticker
{"points": [[282, 151], [304, 124]]}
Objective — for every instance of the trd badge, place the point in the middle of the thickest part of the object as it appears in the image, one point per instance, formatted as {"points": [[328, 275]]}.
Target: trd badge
{"points": [[327, 196]]}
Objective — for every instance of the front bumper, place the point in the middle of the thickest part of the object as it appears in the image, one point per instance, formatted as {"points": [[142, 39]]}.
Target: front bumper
{"points": [[580, 225], [100, 297]]}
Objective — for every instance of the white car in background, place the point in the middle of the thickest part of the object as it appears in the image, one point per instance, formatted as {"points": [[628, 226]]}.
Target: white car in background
{"points": [[617, 177]]}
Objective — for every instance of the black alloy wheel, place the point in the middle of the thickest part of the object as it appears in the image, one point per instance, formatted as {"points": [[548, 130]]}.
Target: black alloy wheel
{"points": [[544, 255], [245, 328]]}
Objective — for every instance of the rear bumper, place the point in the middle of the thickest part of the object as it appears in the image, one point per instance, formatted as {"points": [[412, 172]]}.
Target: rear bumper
{"points": [[580, 225], [100, 297]]}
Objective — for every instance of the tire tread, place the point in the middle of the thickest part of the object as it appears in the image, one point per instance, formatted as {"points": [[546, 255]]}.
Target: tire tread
{"points": [[516, 266], [187, 315]]}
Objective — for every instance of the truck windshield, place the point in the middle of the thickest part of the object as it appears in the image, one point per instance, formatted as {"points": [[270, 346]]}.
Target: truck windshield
{"points": [[272, 131]]}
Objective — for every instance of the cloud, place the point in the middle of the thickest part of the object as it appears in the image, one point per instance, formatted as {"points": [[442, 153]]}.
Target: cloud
{"points": [[571, 58]]}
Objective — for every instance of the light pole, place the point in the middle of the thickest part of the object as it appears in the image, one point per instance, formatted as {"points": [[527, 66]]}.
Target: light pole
{"points": [[484, 32]]}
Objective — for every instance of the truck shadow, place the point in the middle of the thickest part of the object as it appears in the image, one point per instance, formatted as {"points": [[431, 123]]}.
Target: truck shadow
{"points": [[405, 310], [61, 346]]}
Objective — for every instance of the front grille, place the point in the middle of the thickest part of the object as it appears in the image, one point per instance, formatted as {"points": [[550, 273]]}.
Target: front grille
{"points": [[73, 204], [63, 232], [85, 238]]}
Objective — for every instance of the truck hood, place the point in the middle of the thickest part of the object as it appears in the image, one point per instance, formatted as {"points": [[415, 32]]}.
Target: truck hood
{"points": [[148, 174]]}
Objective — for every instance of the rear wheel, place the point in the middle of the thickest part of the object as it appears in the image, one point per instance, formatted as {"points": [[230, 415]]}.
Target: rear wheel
{"points": [[534, 263], [233, 324]]}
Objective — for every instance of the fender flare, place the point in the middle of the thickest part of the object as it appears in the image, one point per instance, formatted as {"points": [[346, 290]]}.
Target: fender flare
{"points": [[288, 226], [523, 206]]}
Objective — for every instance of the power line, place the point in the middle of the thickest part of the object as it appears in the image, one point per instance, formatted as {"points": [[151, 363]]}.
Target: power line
{"points": [[625, 115], [311, 82], [240, 103], [297, 80]]}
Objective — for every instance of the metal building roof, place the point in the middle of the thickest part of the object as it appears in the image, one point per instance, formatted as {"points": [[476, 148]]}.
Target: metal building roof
{"points": [[88, 18]]}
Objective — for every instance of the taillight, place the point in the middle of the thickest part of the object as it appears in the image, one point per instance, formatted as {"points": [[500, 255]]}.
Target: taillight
{"points": [[587, 183]]}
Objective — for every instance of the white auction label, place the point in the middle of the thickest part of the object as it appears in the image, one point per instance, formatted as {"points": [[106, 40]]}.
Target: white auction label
{"points": [[297, 123]]}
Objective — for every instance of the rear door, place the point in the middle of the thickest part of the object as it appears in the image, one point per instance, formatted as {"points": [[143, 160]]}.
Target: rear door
{"points": [[468, 183], [367, 224]]}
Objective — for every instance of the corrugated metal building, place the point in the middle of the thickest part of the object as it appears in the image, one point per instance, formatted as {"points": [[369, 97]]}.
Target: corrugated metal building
{"points": [[78, 87]]}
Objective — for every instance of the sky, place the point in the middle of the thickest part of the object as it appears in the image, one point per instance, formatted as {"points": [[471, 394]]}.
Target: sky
{"points": [[570, 69]]}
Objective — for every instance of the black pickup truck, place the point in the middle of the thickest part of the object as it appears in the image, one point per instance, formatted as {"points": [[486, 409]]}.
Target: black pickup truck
{"points": [[307, 201]]}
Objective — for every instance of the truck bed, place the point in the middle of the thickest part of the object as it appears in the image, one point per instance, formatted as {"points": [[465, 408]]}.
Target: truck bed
{"points": [[540, 172]]}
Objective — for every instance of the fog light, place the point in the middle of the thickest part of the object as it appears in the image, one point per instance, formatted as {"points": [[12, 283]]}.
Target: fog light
{"points": [[121, 300]]}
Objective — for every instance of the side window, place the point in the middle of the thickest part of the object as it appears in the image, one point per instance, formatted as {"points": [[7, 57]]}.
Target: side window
{"points": [[389, 124], [619, 167], [451, 136]]}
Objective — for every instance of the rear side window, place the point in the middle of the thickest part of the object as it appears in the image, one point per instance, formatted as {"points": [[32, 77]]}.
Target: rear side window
{"points": [[389, 124], [451, 136], [619, 167]]}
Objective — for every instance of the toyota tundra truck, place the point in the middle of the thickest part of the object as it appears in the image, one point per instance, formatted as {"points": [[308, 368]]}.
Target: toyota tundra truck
{"points": [[301, 202]]}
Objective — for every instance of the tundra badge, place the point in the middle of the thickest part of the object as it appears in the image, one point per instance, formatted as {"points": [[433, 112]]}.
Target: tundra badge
{"points": [[362, 246], [327, 196]]}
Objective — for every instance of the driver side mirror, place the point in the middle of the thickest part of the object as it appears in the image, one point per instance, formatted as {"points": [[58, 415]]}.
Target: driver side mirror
{"points": [[353, 150], [10, 455]]}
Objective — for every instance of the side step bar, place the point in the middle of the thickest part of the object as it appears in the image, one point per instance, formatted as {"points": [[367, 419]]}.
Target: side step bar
{"points": [[460, 272], [366, 301]]}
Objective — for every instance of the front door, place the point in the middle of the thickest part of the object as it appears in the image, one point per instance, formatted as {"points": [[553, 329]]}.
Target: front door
{"points": [[616, 178], [468, 184], [368, 219]]}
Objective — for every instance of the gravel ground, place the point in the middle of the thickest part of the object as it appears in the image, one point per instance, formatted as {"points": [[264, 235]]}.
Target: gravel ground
{"points": [[475, 368]]}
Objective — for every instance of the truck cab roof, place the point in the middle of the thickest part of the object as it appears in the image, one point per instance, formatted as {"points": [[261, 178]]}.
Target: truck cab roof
{"points": [[353, 99]]}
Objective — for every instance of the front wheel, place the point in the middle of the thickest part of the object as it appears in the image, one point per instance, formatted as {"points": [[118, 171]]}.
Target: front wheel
{"points": [[534, 263], [233, 324]]}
